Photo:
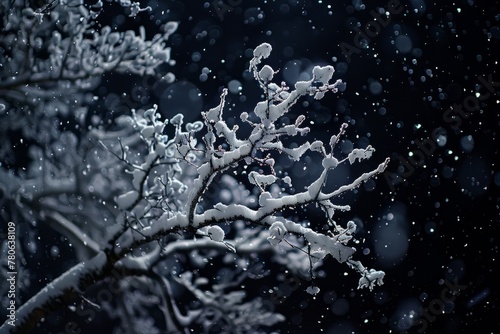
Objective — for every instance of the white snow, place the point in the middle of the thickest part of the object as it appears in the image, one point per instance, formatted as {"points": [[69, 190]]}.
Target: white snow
{"points": [[177, 119], [244, 116], [264, 197], [360, 154], [124, 201], [317, 146], [313, 290], [148, 131], [138, 177], [266, 73], [215, 114], [261, 110], [262, 51], [351, 227], [277, 232], [329, 163], [323, 74], [302, 87], [371, 279], [288, 180], [216, 233], [194, 127], [261, 180], [169, 28], [69, 281], [140, 262], [264, 146]]}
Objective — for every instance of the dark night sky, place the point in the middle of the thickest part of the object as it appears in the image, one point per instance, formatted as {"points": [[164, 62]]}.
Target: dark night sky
{"points": [[436, 228], [398, 90]]}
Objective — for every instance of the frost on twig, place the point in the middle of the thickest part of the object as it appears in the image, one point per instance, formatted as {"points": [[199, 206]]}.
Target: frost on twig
{"points": [[171, 207], [53, 54], [224, 151]]}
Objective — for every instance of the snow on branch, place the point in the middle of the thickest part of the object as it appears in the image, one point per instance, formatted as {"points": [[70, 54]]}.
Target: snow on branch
{"points": [[212, 160], [179, 195]]}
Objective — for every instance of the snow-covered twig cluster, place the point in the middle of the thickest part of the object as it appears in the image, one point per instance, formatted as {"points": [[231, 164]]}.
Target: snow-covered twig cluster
{"points": [[53, 53], [221, 152], [150, 210]]}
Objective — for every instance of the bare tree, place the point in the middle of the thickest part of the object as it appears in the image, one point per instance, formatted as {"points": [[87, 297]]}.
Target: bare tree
{"points": [[148, 203]]}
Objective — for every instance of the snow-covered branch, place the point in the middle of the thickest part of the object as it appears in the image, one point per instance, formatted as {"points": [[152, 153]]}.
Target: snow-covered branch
{"points": [[144, 191], [265, 138]]}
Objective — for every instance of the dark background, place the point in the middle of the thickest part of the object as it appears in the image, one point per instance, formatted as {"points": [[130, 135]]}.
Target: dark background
{"points": [[435, 227]]}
